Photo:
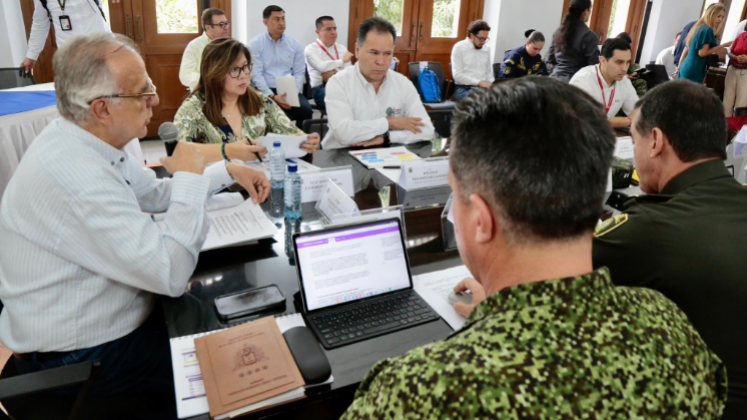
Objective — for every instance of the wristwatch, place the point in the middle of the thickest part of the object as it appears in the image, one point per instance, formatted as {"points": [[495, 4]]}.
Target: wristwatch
{"points": [[387, 141]]}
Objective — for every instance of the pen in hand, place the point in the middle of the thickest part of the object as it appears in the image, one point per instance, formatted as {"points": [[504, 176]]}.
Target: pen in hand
{"points": [[255, 153]]}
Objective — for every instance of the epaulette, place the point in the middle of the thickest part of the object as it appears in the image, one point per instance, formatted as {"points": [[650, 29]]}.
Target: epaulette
{"points": [[646, 198]]}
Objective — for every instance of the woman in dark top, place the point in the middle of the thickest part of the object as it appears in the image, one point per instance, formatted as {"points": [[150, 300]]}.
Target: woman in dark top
{"points": [[525, 60], [574, 45]]}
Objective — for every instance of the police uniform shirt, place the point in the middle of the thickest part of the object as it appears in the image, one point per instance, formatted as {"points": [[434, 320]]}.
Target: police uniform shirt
{"points": [[518, 63], [357, 113], [625, 96], [577, 347], [689, 243]]}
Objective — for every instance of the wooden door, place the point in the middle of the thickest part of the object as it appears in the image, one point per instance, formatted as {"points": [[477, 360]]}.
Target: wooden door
{"points": [[611, 17], [426, 29]]}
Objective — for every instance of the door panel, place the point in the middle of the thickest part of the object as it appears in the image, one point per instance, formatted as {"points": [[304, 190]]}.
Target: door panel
{"points": [[164, 70]]}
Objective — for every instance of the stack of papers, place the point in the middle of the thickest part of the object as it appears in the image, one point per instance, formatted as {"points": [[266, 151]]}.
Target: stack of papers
{"points": [[435, 288], [392, 156]]}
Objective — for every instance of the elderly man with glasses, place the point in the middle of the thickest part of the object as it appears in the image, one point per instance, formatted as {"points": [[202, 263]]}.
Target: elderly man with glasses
{"points": [[82, 263], [215, 25]]}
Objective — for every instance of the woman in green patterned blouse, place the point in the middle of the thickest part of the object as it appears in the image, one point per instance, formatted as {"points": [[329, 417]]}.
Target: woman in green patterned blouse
{"points": [[224, 104]]}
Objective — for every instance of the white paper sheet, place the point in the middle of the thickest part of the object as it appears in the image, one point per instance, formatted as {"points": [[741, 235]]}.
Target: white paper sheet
{"points": [[216, 202], [740, 140], [435, 287], [287, 85], [392, 174], [624, 148], [291, 144], [377, 158], [238, 225]]}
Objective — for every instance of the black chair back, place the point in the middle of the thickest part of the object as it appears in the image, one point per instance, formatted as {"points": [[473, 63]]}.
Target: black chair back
{"points": [[315, 126], [497, 70], [655, 75], [10, 78], [740, 112]]}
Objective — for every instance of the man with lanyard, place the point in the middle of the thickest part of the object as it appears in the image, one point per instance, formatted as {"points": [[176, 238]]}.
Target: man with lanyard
{"points": [[69, 17], [324, 58], [608, 83]]}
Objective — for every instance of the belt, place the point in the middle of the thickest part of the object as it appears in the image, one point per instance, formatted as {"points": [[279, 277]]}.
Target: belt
{"points": [[43, 357]]}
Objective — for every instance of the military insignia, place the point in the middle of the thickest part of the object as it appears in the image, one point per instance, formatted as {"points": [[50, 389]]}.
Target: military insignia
{"points": [[390, 112], [521, 65], [610, 225], [537, 66], [507, 70]]}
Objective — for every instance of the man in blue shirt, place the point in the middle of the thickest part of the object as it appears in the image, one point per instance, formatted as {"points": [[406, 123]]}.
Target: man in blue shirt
{"points": [[680, 48], [276, 54]]}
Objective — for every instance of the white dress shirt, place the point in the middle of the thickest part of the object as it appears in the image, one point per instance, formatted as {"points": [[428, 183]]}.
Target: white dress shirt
{"points": [[85, 18], [318, 60], [470, 66], [733, 37], [79, 258], [189, 71], [666, 58], [356, 113], [625, 95]]}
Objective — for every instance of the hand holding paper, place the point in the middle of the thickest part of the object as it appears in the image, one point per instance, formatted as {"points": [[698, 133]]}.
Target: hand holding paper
{"points": [[291, 144], [287, 85], [478, 295]]}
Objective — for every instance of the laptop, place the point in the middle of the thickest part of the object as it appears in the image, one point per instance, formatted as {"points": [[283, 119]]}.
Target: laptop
{"points": [[356, 284]]}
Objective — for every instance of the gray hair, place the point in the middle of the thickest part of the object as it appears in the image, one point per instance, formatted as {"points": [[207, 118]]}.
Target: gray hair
{"points": [[377, 24], [82, 72]]}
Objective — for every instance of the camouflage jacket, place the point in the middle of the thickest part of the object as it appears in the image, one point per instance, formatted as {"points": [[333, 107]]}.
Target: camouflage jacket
{"points": [[571, 348]]}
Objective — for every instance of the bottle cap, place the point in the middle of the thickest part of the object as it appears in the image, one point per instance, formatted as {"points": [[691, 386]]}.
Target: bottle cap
{"points": [[276, 144], [293, 168]]}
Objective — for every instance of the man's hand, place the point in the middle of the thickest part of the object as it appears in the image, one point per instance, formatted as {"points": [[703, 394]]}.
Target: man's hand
{"points": [[241, 150], [478, 295], [254, 181], [485, 85], [406, 123], [327, 74], [634, 76], [311, 144], [376, 141], [28, 64], [186, 158], [347, 57], [280, 100]]}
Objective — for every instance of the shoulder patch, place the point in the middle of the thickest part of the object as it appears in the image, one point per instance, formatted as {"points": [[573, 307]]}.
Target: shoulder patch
{"points": [[610, 225]]}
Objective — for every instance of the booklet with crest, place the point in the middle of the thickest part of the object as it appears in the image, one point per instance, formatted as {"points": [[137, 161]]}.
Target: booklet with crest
{"points": [[246, 365]]}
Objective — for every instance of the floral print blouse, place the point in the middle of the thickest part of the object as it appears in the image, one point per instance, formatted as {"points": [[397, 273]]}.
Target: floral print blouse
{"points": [[194, 126]]}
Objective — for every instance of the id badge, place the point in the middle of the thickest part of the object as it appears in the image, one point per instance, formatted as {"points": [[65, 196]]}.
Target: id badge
{"points": [[65, 24]]}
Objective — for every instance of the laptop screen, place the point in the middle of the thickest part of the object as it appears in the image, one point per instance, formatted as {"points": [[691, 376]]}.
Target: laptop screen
{"points": [[352, 263]]}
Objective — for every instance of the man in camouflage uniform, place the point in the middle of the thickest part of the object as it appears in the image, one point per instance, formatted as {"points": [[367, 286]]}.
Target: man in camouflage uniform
{"points": [[553, 339], [687, 238]]}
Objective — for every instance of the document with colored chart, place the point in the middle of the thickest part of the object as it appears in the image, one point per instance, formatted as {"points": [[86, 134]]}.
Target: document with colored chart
{"points": [[377, 158]]}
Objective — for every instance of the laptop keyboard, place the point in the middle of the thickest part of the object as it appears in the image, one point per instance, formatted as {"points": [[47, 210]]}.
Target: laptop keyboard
{"points": [[370, 319]]}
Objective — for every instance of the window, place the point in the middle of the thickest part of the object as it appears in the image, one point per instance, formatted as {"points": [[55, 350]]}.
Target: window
{"points": [[618, 17], [707, 3], [177, 16], [390, 10], [445, 18]]}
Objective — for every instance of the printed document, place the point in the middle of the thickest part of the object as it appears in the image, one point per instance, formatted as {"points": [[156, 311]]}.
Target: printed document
{"points": [[435, 288]]}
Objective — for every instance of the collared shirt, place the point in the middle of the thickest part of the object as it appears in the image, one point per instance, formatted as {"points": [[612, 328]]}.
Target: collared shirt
{"points": [[270, 59], [625, 95], [576, 347], [687, 242], [189, 71], [582, 51], [518, 63], [80, 258], [733, 36], [194, 126], [469, 65], [356, 113], [318, 62], [85, 18], [666, 59]]}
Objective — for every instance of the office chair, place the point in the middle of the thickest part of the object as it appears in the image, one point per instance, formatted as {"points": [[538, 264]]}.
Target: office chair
{"points": [[315, 126], [446, 85], [9, 79], [497, 71], [307, 93]]}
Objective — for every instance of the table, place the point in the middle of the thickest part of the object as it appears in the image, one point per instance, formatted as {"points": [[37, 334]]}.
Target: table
{"points": [[229, 270], [17, 131]]}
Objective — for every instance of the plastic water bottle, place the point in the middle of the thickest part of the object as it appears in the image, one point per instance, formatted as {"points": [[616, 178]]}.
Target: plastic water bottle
{"points": [[277, 165], [292, 193]]}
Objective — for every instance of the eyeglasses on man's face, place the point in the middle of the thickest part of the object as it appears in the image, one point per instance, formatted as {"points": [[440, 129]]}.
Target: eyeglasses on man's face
{"points": [[223, 25], [149, 94], [236, 71], [481, 39]]}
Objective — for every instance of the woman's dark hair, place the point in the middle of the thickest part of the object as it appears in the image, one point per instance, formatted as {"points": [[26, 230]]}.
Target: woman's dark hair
{"points": [[534, 36], [564, 35]]}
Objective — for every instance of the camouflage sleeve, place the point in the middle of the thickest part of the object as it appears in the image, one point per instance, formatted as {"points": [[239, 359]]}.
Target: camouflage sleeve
{"points": [[374, 395], [626, 245]]}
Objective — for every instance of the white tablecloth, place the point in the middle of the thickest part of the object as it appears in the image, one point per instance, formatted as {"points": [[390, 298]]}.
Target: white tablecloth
{"points": [[17, 131]]}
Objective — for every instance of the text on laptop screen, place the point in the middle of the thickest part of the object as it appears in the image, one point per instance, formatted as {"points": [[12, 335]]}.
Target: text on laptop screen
{"points": [[351, 264]]}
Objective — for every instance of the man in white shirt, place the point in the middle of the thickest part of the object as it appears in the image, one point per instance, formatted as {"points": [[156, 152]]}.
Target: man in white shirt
{"points": [[324, 58], [608, 81], [69, 18], [471, 66], [666, 57], [215, 25], [367, 104], [82, 262]]}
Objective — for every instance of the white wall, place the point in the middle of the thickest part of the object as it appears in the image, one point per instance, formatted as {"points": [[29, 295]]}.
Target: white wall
{"points": [[667, 18], [300, 16], [12, 34], [509, 19]]}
